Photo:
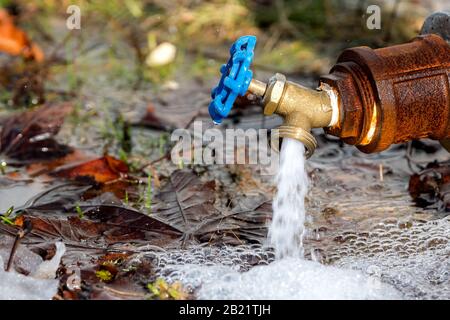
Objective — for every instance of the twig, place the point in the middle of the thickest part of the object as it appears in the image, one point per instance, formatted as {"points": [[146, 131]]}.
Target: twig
{"points": [[410, 160], [27, 226], [124, 293]]}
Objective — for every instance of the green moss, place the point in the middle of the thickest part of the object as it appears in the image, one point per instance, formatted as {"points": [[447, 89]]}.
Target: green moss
{"points": [[104, 275], [161, 290], [6, 216]]}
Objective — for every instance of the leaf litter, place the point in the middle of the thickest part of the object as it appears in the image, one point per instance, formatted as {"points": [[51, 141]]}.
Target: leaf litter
{"points": [[79, 207]]}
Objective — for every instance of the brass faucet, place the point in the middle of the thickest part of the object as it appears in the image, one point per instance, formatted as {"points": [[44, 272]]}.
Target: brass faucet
{"points": [[301, 108]]}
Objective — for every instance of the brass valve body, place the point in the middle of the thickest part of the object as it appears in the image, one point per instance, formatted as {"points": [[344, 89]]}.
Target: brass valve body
{"points": [[302, 109]]}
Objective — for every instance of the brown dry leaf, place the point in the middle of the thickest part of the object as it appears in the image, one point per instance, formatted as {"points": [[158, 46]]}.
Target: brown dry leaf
{"points": [[126, 224], [246, 223], [41, 168], [19, 221], [112, 258], [187, 204], [29, 136], [61, 213], [431, 187], [57, 199], [169, 115], [245, 175], [102, 226], [15, 41], [102, 170]]}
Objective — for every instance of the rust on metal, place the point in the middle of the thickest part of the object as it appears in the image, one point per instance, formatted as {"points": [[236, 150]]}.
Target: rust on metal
{"points": [[393, 94]]}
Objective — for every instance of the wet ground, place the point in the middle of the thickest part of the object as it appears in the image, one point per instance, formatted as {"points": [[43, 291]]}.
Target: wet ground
{"points": [[360, 214]]}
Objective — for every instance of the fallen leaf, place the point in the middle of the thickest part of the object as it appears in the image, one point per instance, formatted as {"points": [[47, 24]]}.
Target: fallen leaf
{"points": [[103, 225], [431, 187], [181, 109], [185, 202], [126, 224], [112, 258], [29, 136], [15, 41], [42, 168], [102, 170], [58, 198], [246, 223], [105, 221]]}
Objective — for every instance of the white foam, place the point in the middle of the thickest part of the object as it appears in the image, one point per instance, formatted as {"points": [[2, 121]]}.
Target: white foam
{"points": [[48, 268], [15, 286], [289, 278]]}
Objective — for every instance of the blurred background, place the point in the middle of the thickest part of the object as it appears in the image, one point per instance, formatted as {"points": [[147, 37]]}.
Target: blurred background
{"points": [[295, 36], [154, 62]]}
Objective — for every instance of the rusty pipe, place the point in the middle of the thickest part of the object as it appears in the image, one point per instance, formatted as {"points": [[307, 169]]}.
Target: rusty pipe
{"points": [[371, 98], [392, 95]]}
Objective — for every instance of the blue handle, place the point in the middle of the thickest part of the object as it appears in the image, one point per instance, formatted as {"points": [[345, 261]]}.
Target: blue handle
{"points": [[236, 77]]}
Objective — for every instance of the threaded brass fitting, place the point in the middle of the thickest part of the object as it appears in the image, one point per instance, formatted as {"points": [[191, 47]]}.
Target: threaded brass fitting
{"points": [[302, 109]]}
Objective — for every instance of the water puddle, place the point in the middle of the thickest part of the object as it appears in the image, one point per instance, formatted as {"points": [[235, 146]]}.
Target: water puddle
{"points": [[412, 257], [18, 193]]}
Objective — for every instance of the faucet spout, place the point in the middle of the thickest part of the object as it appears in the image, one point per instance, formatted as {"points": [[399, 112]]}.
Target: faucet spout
{"points": [[301, 108]]}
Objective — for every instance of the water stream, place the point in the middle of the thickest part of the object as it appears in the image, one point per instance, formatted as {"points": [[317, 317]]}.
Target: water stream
{"points": [[287, 229]]}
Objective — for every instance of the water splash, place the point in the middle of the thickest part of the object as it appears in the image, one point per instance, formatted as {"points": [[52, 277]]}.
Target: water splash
{"points": [[287, 229], [217, 273], [249, 272]]}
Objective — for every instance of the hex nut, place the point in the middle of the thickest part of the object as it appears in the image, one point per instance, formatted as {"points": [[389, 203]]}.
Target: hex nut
{"points": [[274, 93]]}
